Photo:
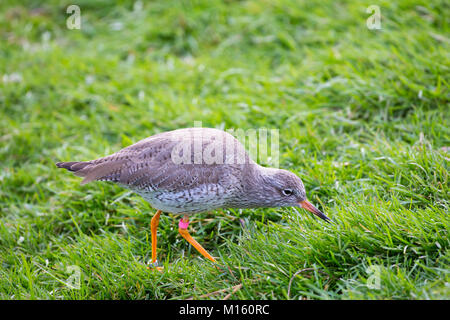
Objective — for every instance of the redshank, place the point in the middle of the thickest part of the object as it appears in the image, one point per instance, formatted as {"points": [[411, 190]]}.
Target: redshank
{"points": [[194, 170]]}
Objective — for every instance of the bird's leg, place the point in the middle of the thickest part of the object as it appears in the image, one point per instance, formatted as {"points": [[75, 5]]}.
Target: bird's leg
{"points": [[154, 227], [184, 223]]}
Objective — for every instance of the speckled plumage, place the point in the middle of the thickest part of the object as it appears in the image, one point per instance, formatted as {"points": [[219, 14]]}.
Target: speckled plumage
{"points": [[152, 168]]}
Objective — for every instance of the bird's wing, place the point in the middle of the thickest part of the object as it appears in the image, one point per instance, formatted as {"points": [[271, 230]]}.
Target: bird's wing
{"points": [[158, 163]]}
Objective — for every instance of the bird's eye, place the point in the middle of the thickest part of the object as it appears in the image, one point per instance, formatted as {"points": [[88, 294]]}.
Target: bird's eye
{"points": [[287, 192]]}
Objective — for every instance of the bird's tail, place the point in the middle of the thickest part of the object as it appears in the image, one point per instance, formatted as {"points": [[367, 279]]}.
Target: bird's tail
{"points": [[73, 165], [92, 170]]}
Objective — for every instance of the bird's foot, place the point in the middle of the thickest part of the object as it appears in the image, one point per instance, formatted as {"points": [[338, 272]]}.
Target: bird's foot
{"points": [[154, 265]]}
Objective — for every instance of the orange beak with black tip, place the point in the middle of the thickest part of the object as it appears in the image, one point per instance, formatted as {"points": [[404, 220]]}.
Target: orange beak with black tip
{"points": [[308, 206]]}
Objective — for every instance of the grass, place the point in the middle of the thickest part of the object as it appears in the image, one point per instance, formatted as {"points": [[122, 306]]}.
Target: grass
{"points": [[363, 118]]}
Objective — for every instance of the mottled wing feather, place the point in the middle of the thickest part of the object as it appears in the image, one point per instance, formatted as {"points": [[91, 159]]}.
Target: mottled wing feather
{"points": [[159, 172], [147, 165]]}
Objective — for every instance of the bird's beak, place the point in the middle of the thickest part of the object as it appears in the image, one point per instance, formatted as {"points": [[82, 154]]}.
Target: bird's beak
{"points": [[308, 206]]}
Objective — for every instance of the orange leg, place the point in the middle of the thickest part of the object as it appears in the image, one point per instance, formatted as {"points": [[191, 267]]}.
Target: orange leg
{"points": [[154, 227], [185, 234]]}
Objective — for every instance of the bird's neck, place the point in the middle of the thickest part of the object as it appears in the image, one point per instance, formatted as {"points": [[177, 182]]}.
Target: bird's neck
{"points": [[255, 187]]}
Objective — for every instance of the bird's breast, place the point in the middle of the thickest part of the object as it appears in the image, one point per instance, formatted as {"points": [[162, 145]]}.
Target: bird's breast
{"points": [[198, 199]]}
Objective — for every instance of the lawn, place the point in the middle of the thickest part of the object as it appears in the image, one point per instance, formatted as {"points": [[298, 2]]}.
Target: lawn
{"points": [[363, 119]]}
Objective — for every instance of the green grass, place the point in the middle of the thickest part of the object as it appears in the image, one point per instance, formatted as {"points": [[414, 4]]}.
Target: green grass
{"points": [[363, 118]]}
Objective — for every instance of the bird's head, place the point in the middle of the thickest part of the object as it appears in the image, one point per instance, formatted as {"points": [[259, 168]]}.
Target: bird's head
{"points": [[285, 189]]}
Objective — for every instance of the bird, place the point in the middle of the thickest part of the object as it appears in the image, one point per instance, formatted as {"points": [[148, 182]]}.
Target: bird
{"points": [[193, 170]]}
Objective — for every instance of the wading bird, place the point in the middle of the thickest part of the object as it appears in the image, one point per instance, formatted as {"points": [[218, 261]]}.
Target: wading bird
{"points": [[194, 170]]}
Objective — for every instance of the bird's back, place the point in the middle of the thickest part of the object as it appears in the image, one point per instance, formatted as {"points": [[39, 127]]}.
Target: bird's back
{"points": [[185, 170]]}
